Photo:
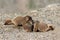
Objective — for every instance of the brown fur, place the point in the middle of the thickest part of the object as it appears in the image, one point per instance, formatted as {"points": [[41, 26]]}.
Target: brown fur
{"points": [[28, 27], [22, 20], [43, 27], [19, 20], [8, 22]]}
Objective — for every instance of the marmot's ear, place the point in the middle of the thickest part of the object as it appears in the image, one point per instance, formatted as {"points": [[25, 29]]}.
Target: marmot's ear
{"points": [[7, 22]]}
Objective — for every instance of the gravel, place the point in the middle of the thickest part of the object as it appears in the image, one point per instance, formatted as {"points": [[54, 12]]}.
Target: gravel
{"points": [[49, 14]]}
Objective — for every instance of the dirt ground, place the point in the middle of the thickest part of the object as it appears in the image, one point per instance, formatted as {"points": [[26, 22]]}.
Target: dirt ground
{"points": [[50, 15]]}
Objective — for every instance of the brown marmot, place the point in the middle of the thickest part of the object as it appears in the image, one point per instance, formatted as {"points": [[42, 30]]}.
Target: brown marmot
{"points": [[18, 21], [42, 27]]}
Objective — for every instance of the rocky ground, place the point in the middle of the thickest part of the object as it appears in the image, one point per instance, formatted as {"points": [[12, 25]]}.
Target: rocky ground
{"points": [[49, 14]]}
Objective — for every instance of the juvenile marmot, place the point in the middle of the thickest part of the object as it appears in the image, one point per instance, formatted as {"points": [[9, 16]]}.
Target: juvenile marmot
{"points": [[18, 21], [42, 27]]}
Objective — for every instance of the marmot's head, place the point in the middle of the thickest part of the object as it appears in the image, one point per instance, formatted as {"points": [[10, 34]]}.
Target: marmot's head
{"points": [[8, 22], [27, 18]]}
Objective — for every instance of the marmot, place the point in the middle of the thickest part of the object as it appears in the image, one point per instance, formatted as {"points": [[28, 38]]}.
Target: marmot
{"points": [[42, 27], [18, 21]]}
